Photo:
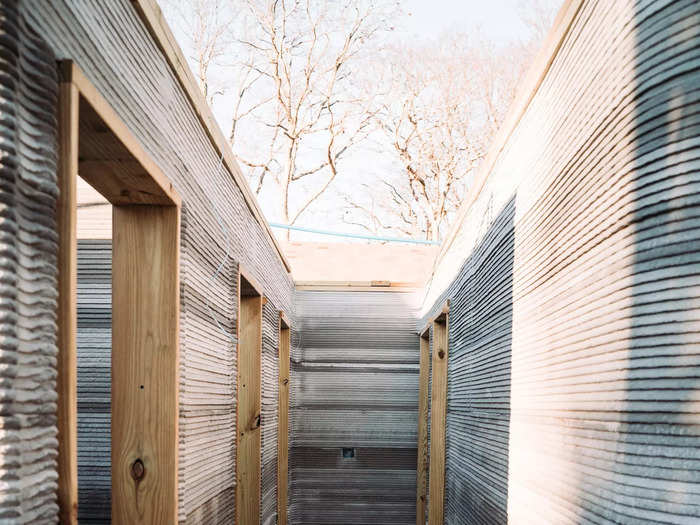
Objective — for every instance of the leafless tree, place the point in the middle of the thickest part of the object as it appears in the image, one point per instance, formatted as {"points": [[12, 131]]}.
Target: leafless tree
{"points": [[442, 104], [538, 16], [296, 113], [445, 102], [208, 26]]}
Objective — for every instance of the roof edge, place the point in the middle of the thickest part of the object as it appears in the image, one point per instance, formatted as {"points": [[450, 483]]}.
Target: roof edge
{"points": [[357, 286], [152, 17], [533, 80]]}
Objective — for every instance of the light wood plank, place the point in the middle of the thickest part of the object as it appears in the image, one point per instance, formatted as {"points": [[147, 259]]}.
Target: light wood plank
{"points": [[283, 424], [112, 160], [66, 382], [248, 461], [438, 417], [145, 356], [423, 406]]}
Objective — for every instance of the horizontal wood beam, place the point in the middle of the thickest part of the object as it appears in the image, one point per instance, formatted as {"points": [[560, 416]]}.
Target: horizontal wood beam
{"points": [[110, 157], [250, 281], [284, 320], [440, 315]]}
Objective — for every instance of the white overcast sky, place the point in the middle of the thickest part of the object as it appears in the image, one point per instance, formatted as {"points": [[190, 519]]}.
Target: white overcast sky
{"points": [[498, 20]]}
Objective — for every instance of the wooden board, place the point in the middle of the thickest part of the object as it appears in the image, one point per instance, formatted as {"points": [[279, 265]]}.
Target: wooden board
{"points": [[423, 411], [438, 417], [283, 423], [66, 381], [111, 159], [145, 356], [248, 461]]}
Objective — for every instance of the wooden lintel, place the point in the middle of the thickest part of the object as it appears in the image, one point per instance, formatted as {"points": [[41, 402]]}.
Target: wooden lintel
{"points": [[252, 281], [111, 159], [439, 317], [284, 320]]}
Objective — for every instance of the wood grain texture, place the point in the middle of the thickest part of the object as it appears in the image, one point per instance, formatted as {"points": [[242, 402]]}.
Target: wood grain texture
{"points": [[248, 442], [283, 424], [145, 339], [423, 413], [438, 417], [111, 158], [67, 320]]}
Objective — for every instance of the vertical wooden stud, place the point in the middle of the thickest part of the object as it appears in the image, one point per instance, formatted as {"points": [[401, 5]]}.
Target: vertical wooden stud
{"points": [[66, 384], [145, 355], [423, 406], [283, 427], [438, 417], [248, 461]]}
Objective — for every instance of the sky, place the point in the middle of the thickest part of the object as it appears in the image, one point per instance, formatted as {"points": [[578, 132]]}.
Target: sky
{"points": [[500, 21]]}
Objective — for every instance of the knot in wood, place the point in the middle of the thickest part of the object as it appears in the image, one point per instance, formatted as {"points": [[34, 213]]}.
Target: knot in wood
{"points": [[138, 470]]}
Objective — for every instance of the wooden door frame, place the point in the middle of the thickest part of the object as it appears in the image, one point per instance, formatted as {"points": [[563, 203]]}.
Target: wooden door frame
{"points": [[248, 399], [145, 366], [284, 345], [432, 403], [423, 412]]}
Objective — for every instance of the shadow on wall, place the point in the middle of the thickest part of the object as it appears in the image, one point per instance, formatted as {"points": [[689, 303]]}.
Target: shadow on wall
{"points": [[478, 397], [606, 366], [656, 471]]}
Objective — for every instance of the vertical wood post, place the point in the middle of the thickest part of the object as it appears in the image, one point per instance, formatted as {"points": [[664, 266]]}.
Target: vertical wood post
{"points": [[423, 406], [438, 417], [145, 356], [283, 427], [66, 383], [248, 460]]}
